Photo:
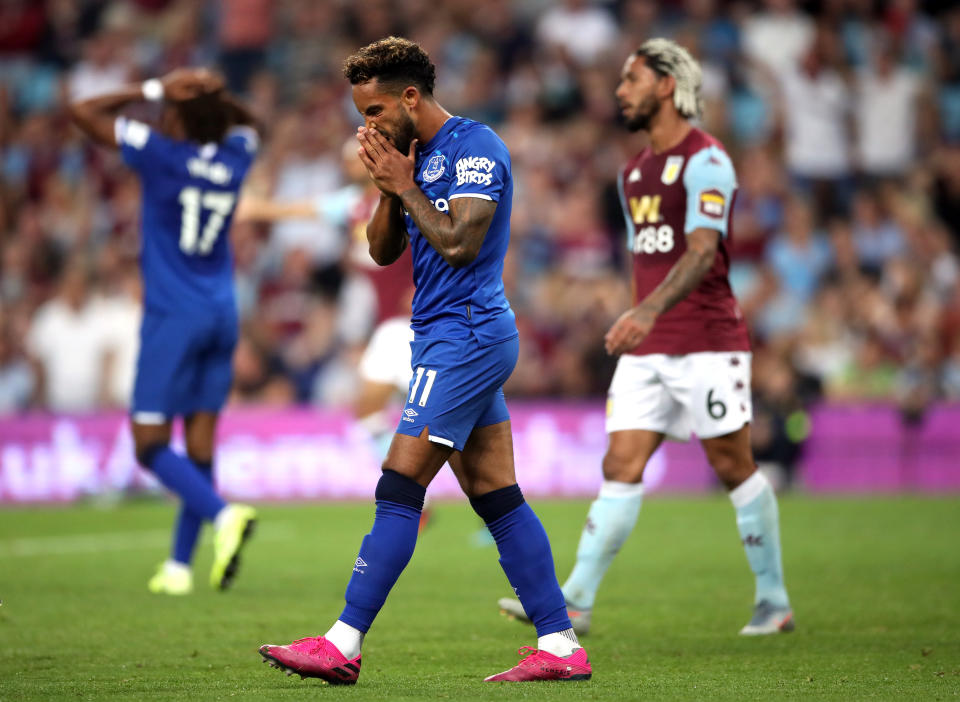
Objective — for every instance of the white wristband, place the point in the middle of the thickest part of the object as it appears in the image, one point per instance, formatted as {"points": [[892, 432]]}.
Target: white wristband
{"points": [[152, 90]]}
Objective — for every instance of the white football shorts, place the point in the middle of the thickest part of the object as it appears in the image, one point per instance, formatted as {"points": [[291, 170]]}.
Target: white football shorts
{"points": [[707, 394], [387, 357]]}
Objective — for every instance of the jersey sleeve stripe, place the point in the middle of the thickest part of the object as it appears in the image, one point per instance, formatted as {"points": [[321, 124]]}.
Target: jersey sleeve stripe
{"points": [[710, 182], [631, 227], [248, 133], [479, 196], [130, 132]]}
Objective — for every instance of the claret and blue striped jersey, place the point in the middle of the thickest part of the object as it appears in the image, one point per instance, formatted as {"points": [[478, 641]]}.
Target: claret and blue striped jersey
{"points": [[464, 159], [189, 195]]}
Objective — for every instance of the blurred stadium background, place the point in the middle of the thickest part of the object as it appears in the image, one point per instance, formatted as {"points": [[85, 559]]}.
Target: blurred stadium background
{"points": [[843, 118]]}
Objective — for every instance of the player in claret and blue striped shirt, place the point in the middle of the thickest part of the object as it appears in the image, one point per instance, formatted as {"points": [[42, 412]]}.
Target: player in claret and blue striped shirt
{"points": [[446, 191], [191, 169]]}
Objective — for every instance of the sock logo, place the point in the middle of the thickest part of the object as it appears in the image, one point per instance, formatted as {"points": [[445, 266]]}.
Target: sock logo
{"points": [[360, 563], [753, 540], [589, 527]]}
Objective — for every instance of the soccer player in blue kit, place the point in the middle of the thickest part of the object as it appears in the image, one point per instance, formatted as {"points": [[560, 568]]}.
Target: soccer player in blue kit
{"points": [[191, 169], [446, 191]]}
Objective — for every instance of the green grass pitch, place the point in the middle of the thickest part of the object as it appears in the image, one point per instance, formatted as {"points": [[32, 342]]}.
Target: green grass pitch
{"points": [[875, 585]]}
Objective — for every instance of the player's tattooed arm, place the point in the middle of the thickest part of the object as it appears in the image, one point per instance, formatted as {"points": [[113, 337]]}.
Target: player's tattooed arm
{"points": [[687, 272], [635, 324], [457, 237], [387, 232]]}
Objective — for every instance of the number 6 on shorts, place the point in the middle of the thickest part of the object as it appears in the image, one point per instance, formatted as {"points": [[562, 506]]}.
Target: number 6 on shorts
{"points": [[715, 408]]}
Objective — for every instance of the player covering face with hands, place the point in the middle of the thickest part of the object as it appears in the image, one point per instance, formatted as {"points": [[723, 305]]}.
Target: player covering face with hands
{"points": [[446, 189], [684, 350], [191, 169]]}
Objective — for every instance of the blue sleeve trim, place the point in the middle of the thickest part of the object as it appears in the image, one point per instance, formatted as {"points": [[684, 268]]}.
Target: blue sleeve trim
{"points": [[631, 228], [710, 182]]}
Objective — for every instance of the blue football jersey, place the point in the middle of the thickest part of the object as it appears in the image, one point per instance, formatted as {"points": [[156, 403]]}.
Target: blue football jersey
{"points": [[189, 193], [464, 159]]}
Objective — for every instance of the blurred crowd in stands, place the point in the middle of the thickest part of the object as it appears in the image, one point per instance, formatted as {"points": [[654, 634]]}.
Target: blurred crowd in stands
{"points": [[842, 116]]}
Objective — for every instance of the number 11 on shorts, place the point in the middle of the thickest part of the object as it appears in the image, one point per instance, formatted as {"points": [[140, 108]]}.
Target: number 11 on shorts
{"points": [[431, 376]]}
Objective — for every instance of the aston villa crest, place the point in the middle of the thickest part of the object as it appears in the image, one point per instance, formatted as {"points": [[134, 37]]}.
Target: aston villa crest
{"points": [[671, 170], [434, 168]]}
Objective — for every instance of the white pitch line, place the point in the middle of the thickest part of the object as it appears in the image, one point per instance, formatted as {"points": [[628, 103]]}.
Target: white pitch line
{"points": [[114, 541]]}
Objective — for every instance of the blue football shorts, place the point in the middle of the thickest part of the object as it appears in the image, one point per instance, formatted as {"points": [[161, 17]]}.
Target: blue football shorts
{"points": [[457, 386], [185, 364]]}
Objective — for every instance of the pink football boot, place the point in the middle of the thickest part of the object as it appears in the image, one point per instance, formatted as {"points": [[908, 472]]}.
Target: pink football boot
{"points": [[313, 657], [541, 665]]}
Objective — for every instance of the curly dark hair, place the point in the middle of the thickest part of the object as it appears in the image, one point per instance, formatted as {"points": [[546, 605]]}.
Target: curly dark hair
{"points": [[205, 118], [394, 61]]}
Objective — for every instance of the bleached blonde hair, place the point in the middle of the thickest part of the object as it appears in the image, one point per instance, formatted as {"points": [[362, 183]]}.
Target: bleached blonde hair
{"points": [[668, 58]]}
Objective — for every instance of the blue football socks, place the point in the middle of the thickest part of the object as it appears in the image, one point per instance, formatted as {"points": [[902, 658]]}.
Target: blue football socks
{"points": [[609, 522], [186, 531], [758, 520], [386, 550], [525, 557], [180, 476]]}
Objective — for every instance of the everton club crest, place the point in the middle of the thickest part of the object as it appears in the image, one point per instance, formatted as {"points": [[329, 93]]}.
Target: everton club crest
{"points": [[434, 168]]}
